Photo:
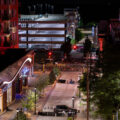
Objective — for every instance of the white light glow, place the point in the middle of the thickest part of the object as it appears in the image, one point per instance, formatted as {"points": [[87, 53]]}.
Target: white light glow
{"points": [[28, 59]]}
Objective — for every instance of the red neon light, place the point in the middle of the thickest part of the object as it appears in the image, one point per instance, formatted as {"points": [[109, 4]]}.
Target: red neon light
{"points": [[101, 43]]}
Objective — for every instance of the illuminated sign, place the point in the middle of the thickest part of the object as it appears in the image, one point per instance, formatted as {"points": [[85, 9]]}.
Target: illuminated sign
{"points": [[25, 70], [101, 43]]}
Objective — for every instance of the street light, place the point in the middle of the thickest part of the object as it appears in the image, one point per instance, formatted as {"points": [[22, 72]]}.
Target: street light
{"points": [[73, 98], [35, 101], [17, 110]]}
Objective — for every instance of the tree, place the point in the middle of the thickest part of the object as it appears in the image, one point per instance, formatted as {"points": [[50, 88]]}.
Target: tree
{"points": [[73, 41], [56, 71], [106, 95], [42, 82], [81, 24], [66, 47], [28, 101], [21, 116], [87, 46], [52, 77], [104, 91], [78, 35], [90, 24]]}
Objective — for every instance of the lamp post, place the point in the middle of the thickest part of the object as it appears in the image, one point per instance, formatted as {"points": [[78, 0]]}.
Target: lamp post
{"points": [[73, 98], [17, 110], [35, 101]]}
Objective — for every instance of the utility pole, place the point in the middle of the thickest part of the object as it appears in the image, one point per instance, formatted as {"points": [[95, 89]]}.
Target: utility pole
{"points": [[88, 82]]}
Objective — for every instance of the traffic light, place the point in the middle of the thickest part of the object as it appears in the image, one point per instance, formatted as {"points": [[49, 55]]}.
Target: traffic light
{"points": [[49, 54], [74, 47]]}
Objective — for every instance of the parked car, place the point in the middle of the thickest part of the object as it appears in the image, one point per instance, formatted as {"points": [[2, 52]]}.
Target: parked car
{"points": [[63, 108], [61, 81]]}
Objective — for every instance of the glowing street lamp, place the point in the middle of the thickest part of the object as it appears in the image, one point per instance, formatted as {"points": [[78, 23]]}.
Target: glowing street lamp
{"points": [[17, 110], [73, 98]]}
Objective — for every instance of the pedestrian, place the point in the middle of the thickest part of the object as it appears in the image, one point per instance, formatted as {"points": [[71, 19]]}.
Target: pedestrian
{"points": [[64, 113]]}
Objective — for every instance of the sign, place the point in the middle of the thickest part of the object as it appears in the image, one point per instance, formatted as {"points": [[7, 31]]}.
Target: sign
{"points": [[25, 70]]}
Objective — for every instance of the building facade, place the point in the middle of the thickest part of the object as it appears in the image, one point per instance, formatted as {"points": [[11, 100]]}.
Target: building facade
{"points": [[73, 18], [15, 76], [46, 30], [8, 24], [114, 30]]}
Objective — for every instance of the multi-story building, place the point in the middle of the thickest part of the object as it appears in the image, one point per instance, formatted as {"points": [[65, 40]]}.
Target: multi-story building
{"points": [[8, 24], [73, 18], [114, 29], [42, 30], [16, 65]]}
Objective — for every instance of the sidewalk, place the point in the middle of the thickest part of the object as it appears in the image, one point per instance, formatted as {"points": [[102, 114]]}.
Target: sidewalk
{"points": [[10, 115], [82, 106]]}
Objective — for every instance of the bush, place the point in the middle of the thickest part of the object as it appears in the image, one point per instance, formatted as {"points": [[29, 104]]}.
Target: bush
{"points": [[42, 82], [56, 71], [78, 35], [21, 116], [52, 77], [69, 118]]}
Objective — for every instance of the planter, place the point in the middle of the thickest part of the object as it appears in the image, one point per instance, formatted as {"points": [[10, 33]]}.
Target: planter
{"points": [[28, 114]]}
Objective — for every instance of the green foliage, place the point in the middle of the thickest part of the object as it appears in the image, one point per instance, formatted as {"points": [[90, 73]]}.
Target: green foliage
{"points": [[42, 82], [78, 35], [106, 95], [105, 91], [90, 24], [21, 116], [52, 77], [73, 41], [69, 118], [29, 100], [80, 24], [83, 82], [56, 71]]}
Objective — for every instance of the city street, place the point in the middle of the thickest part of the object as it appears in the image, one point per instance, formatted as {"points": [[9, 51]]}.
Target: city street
{"points": [[63, 92]]}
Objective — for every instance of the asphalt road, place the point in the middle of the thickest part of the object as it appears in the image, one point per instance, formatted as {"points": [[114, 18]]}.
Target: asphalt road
{"points": [[63, 92]]}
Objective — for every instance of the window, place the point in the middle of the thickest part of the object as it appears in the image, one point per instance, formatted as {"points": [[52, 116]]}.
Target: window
{"points": [[5, 2]]}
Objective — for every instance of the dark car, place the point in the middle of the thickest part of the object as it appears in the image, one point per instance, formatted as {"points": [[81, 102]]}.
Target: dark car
{"points": [[61, 81], [63, 108]]}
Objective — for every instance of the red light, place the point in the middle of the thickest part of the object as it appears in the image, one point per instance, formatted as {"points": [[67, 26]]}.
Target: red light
{"points": [[74, 47], [49, 53], [101, 43]]}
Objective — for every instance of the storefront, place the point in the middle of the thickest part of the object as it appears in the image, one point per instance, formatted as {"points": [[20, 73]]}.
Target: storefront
{"points": [[9, 95], [13, 78], [4, 102], [1, 100]]}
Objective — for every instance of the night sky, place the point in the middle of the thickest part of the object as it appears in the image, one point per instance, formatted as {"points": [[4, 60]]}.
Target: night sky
{"points": [[90, 10]]}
